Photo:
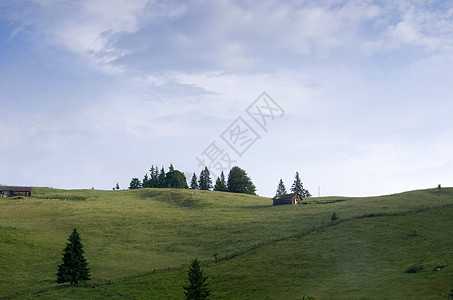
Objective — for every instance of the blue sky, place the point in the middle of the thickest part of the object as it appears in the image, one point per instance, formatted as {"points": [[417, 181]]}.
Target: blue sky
{"points": [[93, 92]]}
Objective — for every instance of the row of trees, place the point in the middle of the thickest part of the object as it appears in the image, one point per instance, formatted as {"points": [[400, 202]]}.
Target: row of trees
{"points": [[160, 179], [238, 181], [297, 187]]}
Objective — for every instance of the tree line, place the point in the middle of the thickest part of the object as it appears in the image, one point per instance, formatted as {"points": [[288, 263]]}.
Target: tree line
{"points": [[237, 180]]}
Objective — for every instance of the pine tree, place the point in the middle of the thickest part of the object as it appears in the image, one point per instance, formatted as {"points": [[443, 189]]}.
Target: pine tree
{"points": [[198, 285], [74, 268], [240, 182], [205, 182], [298, 187], [161, 178], [281, 189], [145, 181], [220, 184], [171, 168], [117, 186], [194, 182], [135, 184], [153, 177]]}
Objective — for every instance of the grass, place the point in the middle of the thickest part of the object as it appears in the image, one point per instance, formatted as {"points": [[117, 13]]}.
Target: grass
{"points": [[130, 232]]}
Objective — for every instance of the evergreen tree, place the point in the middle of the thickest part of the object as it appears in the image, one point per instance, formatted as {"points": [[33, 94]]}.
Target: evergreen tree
{"points": [[145, 181], [171, 168], [117, 186], [161, 178], [205, 182], [220, 184], [135, 184], [281, 189], [194, 182], [175, 179], [153, 177], [198, 285], [74, 268], [298, 187], [240, 182]]}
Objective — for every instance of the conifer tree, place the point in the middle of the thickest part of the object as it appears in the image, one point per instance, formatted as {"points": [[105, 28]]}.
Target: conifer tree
{"points": [[153, 177], [220, 184], [161, 178], [171, 168], [74, 268], [205, 182], [298, 187], [117, 186], [194, 182], [240, 182], [135, 184], [198, 285], [145, 181], [281, 189]]}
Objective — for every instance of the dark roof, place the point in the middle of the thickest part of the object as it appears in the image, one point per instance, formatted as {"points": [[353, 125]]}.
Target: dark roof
{"points": [[15, 188], [286, 196], [21, 189]]}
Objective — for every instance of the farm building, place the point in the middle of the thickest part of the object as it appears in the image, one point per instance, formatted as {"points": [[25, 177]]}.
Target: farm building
{"points": [[13, 191], [294, 198]]}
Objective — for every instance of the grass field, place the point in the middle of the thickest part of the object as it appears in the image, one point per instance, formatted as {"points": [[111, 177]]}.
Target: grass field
{"points": [[130, 232]]}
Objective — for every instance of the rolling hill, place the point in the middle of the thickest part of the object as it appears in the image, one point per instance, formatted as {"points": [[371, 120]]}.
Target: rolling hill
{"points": [[273, 252]]}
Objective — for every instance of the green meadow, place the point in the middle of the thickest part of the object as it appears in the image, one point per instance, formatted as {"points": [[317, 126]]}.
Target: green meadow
{"points": [[282, 252]]}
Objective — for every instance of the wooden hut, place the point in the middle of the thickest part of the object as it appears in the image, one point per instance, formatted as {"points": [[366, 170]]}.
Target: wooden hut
{"points": [[294, 198], [13, 191]]}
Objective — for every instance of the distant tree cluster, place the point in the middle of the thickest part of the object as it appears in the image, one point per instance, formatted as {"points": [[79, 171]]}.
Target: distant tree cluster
{"points": [[297, 187], [238, 181], [160, 179]]}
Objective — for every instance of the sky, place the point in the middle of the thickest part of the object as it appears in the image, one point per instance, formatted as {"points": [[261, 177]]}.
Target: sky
{"points": [[356, 96]]}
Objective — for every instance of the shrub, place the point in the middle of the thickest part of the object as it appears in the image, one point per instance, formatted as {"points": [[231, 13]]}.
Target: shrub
{"points": [[334, 217]]}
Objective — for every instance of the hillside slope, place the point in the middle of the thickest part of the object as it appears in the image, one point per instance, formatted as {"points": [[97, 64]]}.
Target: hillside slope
{"points": [[131, 232]]}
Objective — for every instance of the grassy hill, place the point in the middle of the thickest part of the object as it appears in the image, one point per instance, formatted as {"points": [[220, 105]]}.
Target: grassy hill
{"points": [[282, 252]]}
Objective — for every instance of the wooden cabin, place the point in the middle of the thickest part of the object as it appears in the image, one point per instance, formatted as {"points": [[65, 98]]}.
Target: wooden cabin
{"points": [[13, 191], [294, 198]]}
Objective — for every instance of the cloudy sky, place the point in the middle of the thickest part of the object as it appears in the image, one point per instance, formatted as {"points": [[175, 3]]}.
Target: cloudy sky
{"points": [[94, 92]]}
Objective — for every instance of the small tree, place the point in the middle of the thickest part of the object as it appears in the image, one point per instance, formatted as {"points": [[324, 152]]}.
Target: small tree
{"points": [[220, 184], [281, 189], [145, 181], [161, 178], [205, 182], [153, 177], [198, 285], [135, 184], [334, 216], [194, 182], [117, 186], [298, 187], [74, 267]]}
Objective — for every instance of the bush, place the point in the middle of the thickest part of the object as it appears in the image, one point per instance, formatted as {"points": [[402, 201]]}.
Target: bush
{"points": [[334, 217]]}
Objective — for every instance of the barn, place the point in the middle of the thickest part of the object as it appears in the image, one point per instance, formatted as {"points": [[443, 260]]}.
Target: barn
{"points": [[294, 198], [13, 191]]}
